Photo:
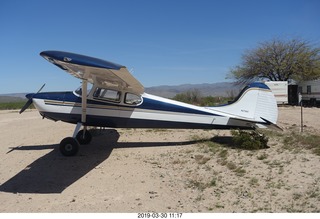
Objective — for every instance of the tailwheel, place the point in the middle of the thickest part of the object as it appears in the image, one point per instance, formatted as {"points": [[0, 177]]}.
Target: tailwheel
{"points": [[84, 137], [69, 146]]}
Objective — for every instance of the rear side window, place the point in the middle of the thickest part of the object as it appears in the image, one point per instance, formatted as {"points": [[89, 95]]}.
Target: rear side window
{"points": [[107, 94], [132, 99]]}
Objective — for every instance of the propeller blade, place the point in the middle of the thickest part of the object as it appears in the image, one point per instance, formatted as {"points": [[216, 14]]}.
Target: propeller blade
{"points": [[41, 88], [28, 103]]}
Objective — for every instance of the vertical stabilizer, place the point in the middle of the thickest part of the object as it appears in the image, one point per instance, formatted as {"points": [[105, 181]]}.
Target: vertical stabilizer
{"points": [[255, 102]]}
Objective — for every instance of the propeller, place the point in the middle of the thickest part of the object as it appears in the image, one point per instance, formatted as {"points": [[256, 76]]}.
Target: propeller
{"points": [[29, 102]]}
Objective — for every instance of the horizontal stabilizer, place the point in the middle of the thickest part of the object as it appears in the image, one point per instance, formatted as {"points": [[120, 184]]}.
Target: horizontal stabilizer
{"points": [[272, 125]]}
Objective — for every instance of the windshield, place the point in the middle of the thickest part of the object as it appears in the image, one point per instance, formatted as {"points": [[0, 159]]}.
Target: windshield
{"points": [[78, 91]]}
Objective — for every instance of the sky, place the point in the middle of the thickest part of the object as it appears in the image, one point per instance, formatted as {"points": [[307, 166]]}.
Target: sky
{"points": [[162, 42]]}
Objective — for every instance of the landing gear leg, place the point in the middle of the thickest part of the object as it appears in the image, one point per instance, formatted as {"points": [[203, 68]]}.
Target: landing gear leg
{"points": [[70, 145], [76, 130]]}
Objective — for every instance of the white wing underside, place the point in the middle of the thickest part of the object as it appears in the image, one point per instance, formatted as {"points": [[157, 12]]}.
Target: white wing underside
{"points": [[118, 79]]}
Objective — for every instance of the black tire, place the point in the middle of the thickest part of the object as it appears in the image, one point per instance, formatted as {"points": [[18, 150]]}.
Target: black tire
{"points": [[69, 146], [86, 139]]}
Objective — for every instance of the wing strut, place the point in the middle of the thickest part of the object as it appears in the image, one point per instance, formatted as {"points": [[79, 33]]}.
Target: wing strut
{"points": [[84, 101], [83, 109]]}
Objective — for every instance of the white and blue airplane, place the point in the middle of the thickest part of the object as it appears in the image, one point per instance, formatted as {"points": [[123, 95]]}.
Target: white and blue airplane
{"points": [[117, 100]]}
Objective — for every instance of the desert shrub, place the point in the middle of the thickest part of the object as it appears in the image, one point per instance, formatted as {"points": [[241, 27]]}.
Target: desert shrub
{"points": [[249, 140], [214, 101], [190, 96], [302, 141], [194, 97]]}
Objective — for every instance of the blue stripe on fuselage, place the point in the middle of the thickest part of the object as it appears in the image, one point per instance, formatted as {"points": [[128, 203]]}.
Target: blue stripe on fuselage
{"points": [[148, 103], [118, 122], [152, 104]]}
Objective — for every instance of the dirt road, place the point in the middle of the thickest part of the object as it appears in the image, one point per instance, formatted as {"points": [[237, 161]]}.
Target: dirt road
{"points": [[153, 170]]}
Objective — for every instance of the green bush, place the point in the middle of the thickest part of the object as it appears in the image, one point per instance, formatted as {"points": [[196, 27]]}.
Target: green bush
{"points": [[195, 97], [249, 140], [191, 96]]}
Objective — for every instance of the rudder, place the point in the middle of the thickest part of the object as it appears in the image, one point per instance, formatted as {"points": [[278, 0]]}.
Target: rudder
{"points": [[255, 102]]}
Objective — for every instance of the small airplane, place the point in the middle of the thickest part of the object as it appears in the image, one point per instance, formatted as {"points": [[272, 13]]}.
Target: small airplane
{"points": [[117, 100]]}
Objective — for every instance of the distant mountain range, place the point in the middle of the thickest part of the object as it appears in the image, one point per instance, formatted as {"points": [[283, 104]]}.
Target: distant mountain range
{"points": [[8, 98], [222, 89]]}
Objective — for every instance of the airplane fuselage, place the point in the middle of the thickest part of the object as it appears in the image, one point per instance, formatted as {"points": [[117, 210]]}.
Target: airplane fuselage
{"points": [[151, 112], [117, 100]]}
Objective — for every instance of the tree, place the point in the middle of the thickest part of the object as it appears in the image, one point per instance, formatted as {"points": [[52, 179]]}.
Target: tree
{"points": [[279, 60], [191, 96]]}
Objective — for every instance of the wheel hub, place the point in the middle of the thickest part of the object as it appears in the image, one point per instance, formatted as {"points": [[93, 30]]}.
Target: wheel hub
{"points": [[68, 147]]}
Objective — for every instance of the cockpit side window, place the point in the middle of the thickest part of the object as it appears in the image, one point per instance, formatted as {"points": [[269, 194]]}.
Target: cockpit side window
{"points": [[132, 99], [107, 94]]}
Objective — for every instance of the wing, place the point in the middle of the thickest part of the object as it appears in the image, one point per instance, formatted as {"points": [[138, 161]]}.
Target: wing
{"points": [[98, 71]]}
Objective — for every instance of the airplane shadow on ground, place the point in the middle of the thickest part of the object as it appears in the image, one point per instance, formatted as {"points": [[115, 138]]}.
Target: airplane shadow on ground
{"points": [[53, 172]]}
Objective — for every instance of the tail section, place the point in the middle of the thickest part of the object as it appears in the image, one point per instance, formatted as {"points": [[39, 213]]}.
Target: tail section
{"points": [[255, 104]]}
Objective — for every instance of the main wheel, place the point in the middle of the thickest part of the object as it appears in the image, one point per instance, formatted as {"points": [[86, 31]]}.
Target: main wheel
{"points": [[86, 139], [69, 146]]}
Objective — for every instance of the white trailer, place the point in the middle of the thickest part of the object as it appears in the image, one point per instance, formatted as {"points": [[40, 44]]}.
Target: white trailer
{"points": [[310, 91], [279, 90]]}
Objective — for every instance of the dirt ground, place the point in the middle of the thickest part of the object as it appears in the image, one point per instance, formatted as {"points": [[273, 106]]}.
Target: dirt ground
{"points": [[150, 170]]}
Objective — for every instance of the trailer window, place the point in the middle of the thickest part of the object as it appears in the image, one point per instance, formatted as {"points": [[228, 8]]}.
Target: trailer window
{"points": [[309, 89], [107, 94]]}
